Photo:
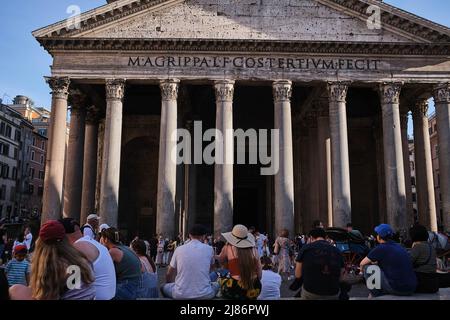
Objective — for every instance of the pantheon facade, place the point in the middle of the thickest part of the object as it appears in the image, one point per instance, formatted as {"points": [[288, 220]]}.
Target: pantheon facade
{"points": [[338, 79]]}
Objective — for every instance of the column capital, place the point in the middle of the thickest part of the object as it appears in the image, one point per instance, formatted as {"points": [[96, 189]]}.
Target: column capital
{"points": [[442, 93], [390, 92], [169, 89], [59, 86], [115, 89], [420, 108], [77, 99], [224, 90], [282, 90], [337, 90]]}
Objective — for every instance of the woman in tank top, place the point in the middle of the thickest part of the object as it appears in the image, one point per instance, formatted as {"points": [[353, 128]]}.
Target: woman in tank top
{"points": [[241, 257], [126, 263], [149, 283]]}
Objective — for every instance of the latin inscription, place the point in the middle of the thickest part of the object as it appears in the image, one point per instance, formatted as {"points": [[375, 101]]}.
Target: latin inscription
{"points": [[242, 62]]}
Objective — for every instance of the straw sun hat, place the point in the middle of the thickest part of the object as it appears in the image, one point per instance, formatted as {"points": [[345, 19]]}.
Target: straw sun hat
{"points": [[240, 237]]}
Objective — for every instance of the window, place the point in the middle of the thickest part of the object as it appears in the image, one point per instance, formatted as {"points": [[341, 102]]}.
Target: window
{"points": [[43, 132], [42, 159], [41, 175], [3, 192], [12, 195], [430, 130], [435, 128], [436, 150], [412, 165], [4, 149], [2, 128], [8, 131], [32, 173], [40, 191], [32, 155], [17, 135], [414, 197], [14, 173], [413, 181], [4, 171], [16, 153], [31, 189], [34, 141], [43, 145]]}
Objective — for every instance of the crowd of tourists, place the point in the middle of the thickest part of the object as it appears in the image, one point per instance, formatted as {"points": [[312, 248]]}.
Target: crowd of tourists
{"points": [[69, 261]]}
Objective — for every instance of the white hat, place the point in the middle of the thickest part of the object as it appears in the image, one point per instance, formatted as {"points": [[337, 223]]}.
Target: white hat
{"points": [[103, 227], [240, 237], [92, 217]]}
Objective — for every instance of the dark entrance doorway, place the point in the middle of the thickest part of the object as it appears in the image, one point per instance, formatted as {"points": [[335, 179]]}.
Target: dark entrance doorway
{"points": [[252, 109], [138, 188]]}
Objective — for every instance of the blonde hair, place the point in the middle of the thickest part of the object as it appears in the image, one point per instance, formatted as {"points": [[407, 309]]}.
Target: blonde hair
{"points": [[49, 268]]}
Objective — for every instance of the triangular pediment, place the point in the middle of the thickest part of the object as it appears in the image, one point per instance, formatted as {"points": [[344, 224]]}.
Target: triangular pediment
{"points": [[296, 20]]}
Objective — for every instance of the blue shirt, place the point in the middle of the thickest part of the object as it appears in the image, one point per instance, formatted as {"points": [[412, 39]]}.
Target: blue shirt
{"points": [[17, 272], [396, 265]]}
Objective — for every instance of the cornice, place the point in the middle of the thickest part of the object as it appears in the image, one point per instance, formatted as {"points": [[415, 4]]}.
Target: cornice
{"points": [[262, 46]]}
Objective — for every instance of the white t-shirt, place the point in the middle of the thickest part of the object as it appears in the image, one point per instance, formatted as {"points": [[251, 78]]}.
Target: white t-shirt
{"points": [[104, 271], [87, 231], [193, 264], [271, 283], [28, 240]]}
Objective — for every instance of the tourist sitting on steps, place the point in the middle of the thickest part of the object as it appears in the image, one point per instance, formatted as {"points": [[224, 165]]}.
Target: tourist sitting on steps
{"points": [[270, 281], [319, 268], [241, 257], [127, 265], [397, 276], [98, 256], [188, 276]]}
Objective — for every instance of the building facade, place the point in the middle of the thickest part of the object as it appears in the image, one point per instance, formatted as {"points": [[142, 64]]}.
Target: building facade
{"points": [[10, 130], [337, 88]]}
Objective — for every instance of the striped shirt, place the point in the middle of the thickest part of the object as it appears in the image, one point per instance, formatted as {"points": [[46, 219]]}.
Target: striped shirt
{"points": [[17, 271]]}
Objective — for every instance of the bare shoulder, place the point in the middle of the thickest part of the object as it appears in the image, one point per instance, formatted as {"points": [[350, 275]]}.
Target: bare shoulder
{"points": [[20, 292], [116, 254]]}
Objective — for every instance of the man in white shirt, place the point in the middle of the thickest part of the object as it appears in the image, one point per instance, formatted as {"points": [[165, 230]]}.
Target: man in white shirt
{"points": [[89, 229], [189, 270], [28, 238], [98, 255], [260, 242]]}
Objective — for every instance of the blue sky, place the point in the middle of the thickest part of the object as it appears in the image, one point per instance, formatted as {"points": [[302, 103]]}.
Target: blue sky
{"points": [[23, 63]]}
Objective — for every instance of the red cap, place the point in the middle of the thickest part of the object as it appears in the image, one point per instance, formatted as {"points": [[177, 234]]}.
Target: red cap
{"points": [[20, 248], [52, 230]]}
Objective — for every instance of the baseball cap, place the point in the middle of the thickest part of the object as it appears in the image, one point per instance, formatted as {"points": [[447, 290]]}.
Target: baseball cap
{"points": [[21, 249], [103, 227], [92, 217], [384, 230], [52, 230]]}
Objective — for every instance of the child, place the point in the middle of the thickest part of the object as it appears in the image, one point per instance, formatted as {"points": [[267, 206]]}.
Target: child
{"points": [[271, 281], [18, 269]]}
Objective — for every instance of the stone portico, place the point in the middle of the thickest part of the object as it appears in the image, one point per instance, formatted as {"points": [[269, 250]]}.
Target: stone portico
{"points": [[339, 92]]}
